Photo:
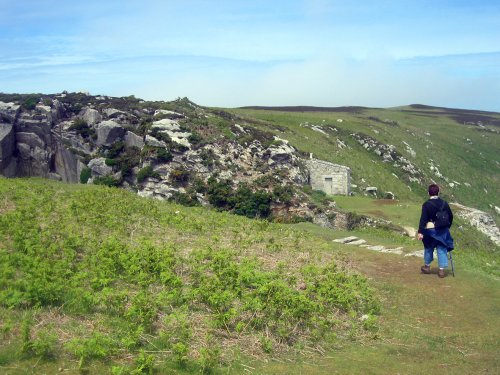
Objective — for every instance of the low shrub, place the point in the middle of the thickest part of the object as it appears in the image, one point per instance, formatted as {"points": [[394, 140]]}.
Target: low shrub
{"points": [[251, 204], [81, 127], [30, 103], [163, 155], [189, 200], [85, 175], [179, 176], [145, 173], [107, 181]]}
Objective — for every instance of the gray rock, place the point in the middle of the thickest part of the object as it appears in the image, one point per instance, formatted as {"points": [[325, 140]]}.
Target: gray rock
{"points": [[133, 140], [33, 161], [281, 154], [34, 123], [7, 145], [322, 220], [152, 141], [30, 139], [167, 124], [389, 195], [173, 130], [90, 115], [67, 165], [99, 168], [418, 254], [54, 176], [9, 168], [410, 232], [376, 247], [346, 239], [481, 220], [112, 112], [109, 132], [164, 112], [9, 112], [57, 110]]}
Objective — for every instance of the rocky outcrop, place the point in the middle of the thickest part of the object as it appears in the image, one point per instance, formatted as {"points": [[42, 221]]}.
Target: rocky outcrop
{"points": [[109, 132], [389, 154], [173, 130], [482, 221], [33, 142]]}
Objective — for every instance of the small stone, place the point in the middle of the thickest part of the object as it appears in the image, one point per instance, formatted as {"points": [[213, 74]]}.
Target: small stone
{"points": [[357, 242], [346, 239]]}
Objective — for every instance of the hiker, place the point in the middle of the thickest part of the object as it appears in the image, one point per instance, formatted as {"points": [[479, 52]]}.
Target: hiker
{"points": [[434, 230]]}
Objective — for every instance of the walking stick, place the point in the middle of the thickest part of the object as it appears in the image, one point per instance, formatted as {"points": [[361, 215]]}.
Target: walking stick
{"points": [[452, 268]]}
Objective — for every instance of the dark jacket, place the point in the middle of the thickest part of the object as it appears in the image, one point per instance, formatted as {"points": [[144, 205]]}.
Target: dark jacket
{"points": [[429, 210], [434, 236]]}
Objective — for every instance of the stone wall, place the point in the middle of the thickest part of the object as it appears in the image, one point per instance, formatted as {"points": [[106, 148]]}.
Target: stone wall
{"points": [[331, 178]]}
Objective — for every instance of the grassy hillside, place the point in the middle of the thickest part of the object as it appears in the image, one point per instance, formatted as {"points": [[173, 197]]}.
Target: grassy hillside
{"points": [[464, 146], [100, 279]]}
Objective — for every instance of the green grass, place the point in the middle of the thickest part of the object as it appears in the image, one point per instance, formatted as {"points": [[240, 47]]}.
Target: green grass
{"points": [[403, 213], [93, 275]]}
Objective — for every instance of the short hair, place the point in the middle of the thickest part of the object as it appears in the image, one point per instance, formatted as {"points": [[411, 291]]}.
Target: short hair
{"points": [[433, 190]]}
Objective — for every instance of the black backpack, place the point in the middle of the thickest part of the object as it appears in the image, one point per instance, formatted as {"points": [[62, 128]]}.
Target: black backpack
{"points": [[442, 217]]}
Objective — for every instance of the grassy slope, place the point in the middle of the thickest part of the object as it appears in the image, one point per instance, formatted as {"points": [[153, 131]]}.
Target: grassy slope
{"points": [[91, 273], [427, 324], [475, 162], [445, 325]]}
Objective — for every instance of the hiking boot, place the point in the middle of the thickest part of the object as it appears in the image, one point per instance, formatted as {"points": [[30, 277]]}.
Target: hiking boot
{"points": [[441, 273], [425, 269]]}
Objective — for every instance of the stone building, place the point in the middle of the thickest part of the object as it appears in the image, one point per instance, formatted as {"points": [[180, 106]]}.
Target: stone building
{"points": [[333, 179]]}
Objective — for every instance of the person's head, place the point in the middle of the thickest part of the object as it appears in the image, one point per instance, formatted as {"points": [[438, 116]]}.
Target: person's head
{"points": [[433, 190]]}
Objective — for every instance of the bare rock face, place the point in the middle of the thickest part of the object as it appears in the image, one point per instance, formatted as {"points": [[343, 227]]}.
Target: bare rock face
{"points": [[133, 140], [7, 147], [109, 132], [90, 116], [33, 142], [66, 165]]}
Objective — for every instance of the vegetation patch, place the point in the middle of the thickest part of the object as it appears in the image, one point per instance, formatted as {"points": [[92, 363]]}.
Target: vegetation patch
{"points": [[105, 275]]}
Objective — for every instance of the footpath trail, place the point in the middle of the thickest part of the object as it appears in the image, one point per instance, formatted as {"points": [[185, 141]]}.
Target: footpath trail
{"points": [[427, 326]]}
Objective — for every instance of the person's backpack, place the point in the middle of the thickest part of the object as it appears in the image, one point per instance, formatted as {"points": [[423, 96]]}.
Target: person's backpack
{"points": [[442, 217]]}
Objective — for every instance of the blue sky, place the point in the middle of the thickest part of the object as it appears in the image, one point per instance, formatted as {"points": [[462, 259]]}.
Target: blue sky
{"points": [[234, 53]]}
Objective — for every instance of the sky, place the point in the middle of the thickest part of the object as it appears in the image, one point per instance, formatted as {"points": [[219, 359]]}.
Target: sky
{"points": [[231, 53]]}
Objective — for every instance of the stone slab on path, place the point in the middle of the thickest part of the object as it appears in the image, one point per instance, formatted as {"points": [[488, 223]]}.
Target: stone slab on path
{"points": [[353, 240], [346, 239]]}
